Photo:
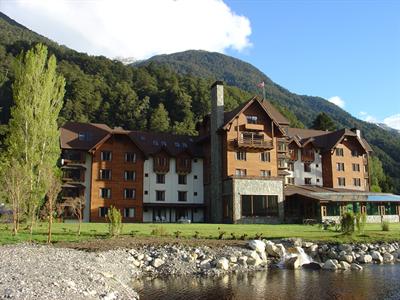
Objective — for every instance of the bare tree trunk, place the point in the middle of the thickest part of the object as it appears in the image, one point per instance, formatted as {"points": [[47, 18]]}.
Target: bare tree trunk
{"points": [[50, 221]]}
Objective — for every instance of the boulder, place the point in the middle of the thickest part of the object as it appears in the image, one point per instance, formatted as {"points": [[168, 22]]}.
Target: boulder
{"points": [[346, 247], [243, 261], [331, 264], [223, 264], [280, 250], [158, 262], [345, 265], [307, 244], [347, 258], [257, 245], [312, 266], [388, 258], [271, 249], [256, 257], [233, 259], [292, 263], [365, 259], [376, 256], [355, 266]]}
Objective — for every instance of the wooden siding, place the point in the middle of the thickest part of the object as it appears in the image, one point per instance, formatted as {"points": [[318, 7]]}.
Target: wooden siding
{"points": [[118, 145]]}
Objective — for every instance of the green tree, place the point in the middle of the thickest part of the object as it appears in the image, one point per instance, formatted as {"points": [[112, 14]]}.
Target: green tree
{"points": [[33, 139], [323, 122], [379, 181], [159, 120]]}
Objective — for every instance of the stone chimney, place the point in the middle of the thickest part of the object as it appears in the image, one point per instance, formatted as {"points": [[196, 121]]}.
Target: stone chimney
{"points": [[217, 120], [357, 132]]}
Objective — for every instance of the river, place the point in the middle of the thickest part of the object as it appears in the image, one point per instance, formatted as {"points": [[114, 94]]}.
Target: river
{"points": [[374, 282]]}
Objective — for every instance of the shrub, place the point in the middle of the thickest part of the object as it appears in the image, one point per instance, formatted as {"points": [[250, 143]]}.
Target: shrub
{"points": [[233, 235], [243, 237], [347, 222], [221, 234], [114, 218], [385, 226], [159, 231], [361, 221], [258, 236], [196, 234], [177, 234]]}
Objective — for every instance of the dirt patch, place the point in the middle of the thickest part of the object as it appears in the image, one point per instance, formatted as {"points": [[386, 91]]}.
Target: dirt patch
{"points": [[138, 242]]}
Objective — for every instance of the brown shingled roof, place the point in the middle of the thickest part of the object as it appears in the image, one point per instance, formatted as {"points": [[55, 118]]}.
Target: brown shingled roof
{"points": [[149, 142]]}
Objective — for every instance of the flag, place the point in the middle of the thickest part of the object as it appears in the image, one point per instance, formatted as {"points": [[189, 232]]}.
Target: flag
{"points": [[261, 84]]}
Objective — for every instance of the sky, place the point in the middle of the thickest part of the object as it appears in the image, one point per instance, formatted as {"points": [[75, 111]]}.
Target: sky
{"points": [[347, 52]]}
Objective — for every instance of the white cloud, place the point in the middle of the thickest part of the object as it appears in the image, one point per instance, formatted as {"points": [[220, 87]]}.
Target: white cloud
{"points": [[393, 121], [337, 101], [367, 117], [134, 28]]}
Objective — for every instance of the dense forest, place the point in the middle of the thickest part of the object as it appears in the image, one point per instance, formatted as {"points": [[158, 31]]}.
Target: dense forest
{"points": [[174, 95]]}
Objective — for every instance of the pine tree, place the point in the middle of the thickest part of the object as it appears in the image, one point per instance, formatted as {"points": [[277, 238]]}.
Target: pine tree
{"points": [[33, 139], [323, 122], [159, 120]]}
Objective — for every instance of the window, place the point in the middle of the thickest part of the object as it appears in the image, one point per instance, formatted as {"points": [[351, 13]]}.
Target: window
{"points": [[291, 166], [130, 175], [251, 119], [160, 195], [129, 193], [290, 180], [83, 136], [307, 180], [317, 179], [282, 146], [105, 174], [105, 193], [354, 153], [282, 163], [259, 205], [240, 172], [307, 167], [341, 181], [265, 156], [317, 165], [265, 173], [146, 174], [356, 167], [129, 212], [340, 166], [339, 152], [103, 211], [130, 157], [146, 192], [105, 155], [195, 176], [241, 155], [356, 181], [160, 178], [195, 194], [182, 196], [182, 179], [195, 160]]}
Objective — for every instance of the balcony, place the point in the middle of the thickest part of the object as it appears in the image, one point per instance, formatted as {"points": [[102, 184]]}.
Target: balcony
{"points": [[366, 175], [253, 142], [282, 164], [254, 127]]}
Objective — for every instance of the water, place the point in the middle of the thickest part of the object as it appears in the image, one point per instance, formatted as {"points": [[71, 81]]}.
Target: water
{"points": [[374, 282]]}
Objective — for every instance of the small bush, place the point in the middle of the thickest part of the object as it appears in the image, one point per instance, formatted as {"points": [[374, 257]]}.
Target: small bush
{"points": [[221, 234], [159, 231], [347, 222], [361, 221], [385, 226], [258, 235], [243, 237], [233, 235], [177, 234], [114, 218], [196, 234]]}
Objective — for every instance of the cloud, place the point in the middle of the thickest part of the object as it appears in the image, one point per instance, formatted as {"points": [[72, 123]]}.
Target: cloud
{"points": [[367, 117], [393, 121], [337, 101], [136, 29]]}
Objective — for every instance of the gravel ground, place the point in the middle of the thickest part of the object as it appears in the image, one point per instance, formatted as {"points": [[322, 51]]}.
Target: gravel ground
{"points": [[44, 272]]}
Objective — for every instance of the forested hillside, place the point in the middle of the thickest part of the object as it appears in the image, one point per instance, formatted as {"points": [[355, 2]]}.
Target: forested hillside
{"points": [[102, 90]]}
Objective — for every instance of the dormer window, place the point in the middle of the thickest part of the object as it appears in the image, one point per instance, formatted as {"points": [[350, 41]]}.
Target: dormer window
{"points": [[84, 136], [251, 119]]}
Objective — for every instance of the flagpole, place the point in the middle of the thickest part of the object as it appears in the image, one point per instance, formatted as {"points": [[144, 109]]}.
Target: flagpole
{"points": [[263, 91]]}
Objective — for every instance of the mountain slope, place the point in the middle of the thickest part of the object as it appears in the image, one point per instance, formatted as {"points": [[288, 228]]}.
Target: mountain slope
{"points": [[386, 144]]}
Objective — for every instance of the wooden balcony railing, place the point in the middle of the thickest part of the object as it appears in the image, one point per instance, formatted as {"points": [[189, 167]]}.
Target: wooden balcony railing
{"points": [[254, 143]]}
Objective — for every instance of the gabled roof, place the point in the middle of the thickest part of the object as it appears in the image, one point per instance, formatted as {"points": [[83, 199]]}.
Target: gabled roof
{"points": [[271, 112], [148, 142]]}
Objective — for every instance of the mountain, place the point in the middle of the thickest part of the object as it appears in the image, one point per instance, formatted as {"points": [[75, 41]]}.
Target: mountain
{"points": [[233, 71], [102, 90], [387, 128]]}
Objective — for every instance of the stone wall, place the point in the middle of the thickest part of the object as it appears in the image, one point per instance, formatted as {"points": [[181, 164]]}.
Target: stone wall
{"points": [[249, 186]]}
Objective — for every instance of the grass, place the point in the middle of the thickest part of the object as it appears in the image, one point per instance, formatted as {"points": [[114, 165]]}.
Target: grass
{"points": [[67, 232]]}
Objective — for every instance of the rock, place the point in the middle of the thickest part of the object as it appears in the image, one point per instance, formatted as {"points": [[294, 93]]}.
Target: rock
{"points": [[256, 257], [280, 250], [158, 262], [312, 266], [347, 258], [110, 296], [355, 266], [223, 264], [271, 249], [233, 259], [140, 256], [307, 244], [243, 260], [376, 256], [344, 265], [345, 247], [292, 263], [388, 258], [365, 259], [331, 264], [257, 245], [205, 261]]}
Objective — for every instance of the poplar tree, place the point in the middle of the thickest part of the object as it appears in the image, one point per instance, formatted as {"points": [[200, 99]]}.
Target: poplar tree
{"points": [[159, 120], [33, 138]]}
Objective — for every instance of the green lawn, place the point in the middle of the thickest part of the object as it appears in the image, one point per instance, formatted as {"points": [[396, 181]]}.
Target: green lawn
{"points": [[67, 232]]}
